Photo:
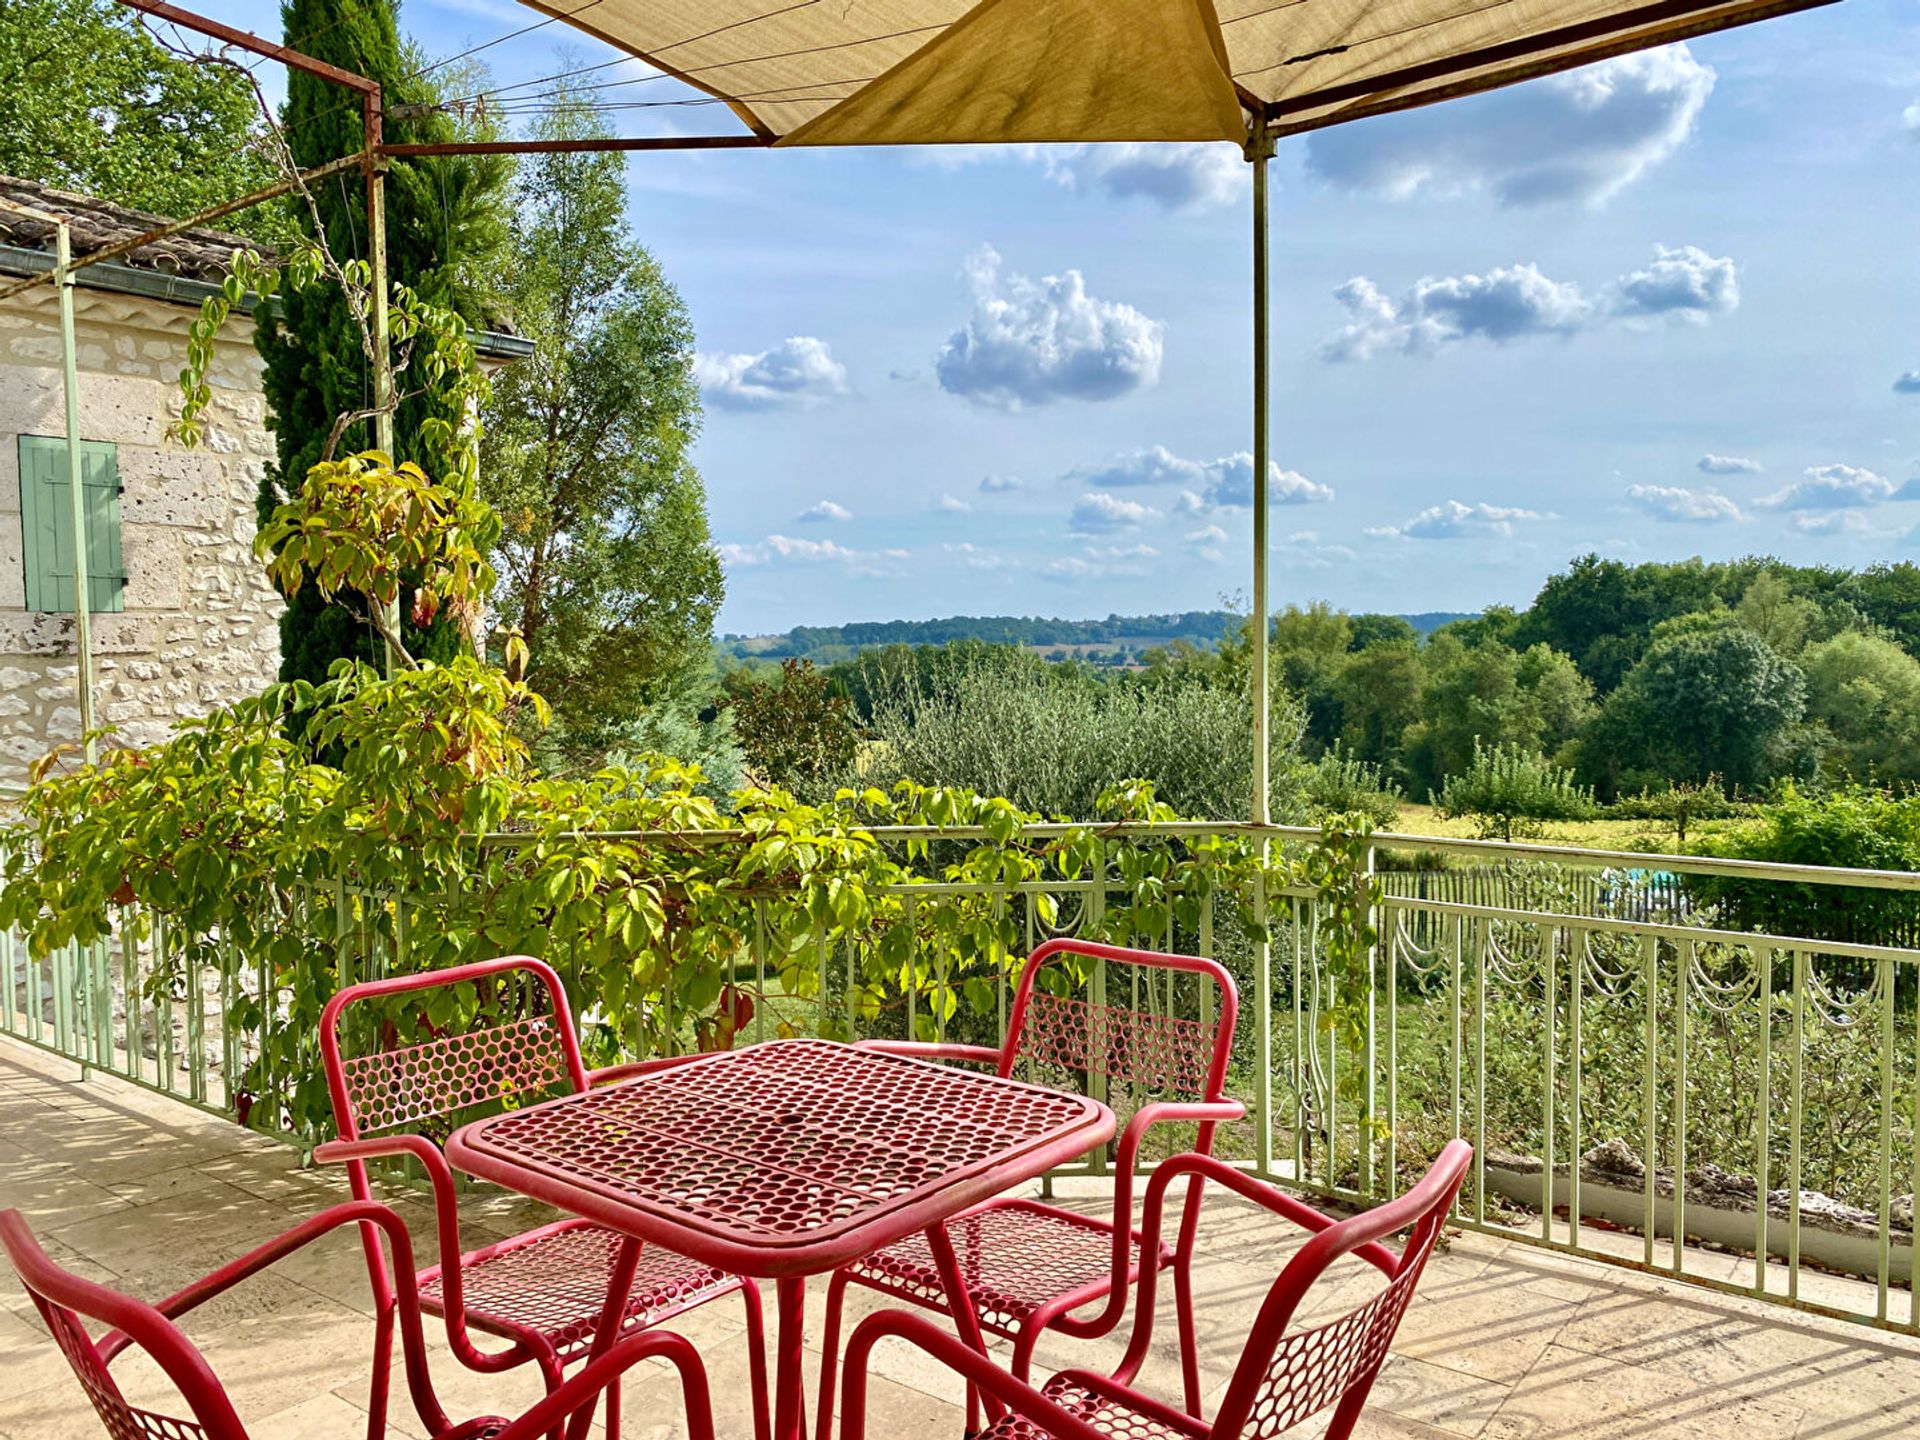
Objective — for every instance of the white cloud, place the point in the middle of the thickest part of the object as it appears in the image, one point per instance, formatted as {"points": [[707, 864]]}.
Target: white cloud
{"points": [[1831, 487], [1907, 384], [952, 505], [1149, 465], [1681, 505], [1454, 521], [1582, 136], [800, 370], [1224, 482], [1096, 562], [1207, 535], [1185, 175], [825, 510], [974, 557], [1031, 342], [1001, 484], [1193, 175], [1230, 484], [1516, 301], [1910, 119], [1100, 512], [786, 548], [1502, 305], [1712, 464], [1684, 282], [1304, 549], [1838, 522]]}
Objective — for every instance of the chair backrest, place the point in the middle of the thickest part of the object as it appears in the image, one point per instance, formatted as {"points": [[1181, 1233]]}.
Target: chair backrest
{"points": [[63, 1299], [391, 1066], [1286, 1375], [1125, 1015]]}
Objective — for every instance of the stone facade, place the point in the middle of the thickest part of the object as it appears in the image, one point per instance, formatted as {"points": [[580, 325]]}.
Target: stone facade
{"points": [[200, 624]]}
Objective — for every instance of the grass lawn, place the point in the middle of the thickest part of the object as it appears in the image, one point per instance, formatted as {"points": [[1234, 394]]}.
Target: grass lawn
{"points": [[1593, 834]]}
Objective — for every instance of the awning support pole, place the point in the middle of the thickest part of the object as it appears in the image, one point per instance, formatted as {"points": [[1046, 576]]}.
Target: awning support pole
{"points": [[1259, 151], [76, 488], [376, 167]]}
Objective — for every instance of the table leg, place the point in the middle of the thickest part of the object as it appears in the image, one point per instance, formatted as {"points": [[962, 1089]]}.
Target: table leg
{"points": [[960, 1302], [612, 1314], [789, 1392]]}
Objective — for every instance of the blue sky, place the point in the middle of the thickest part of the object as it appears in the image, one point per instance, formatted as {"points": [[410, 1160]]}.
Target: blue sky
{"points": [[1667, 306]]}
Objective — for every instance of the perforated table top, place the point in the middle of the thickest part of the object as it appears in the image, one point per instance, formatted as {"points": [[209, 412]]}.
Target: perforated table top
{"points": [[783, 1159]]}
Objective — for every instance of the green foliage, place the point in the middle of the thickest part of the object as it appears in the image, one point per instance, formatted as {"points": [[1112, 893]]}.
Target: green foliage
{"points": [[1866, 691], [1679, 804], [1052, 739], [1509, 791], [445, 240], [1854, 826], [793, 731], [365, 527], [1536, 701], [1839, 1084], [1339, 785], [90, 102], [607, 566], [1710, 698], [1889, 596]]}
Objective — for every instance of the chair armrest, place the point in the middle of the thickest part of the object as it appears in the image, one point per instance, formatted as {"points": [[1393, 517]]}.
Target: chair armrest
{"points": [[925, 1050], [585, 1387], [614, 1074], [262, 1256], [1170, 1112], [1262, 1193], [952, 1352], [379, 1147]]}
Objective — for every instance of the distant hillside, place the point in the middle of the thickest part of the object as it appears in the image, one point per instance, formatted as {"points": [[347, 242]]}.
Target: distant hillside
{"points": [[1113, 636], [1428, 621]]}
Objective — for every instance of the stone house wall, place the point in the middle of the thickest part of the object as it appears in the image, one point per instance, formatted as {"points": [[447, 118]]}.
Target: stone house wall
{"points": [[199, 627]]}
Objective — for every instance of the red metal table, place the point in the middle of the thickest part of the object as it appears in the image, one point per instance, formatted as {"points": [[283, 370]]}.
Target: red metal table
{"points": [[781, 1161]]}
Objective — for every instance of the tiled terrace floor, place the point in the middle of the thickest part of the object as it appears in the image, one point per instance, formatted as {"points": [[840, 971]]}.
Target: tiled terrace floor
{"points": [[1503, 1341]]}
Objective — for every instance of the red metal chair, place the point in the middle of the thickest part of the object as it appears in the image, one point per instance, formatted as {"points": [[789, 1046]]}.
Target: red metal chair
{"points": [[63, 1300], [544, 1289], [1284, 1375], [1028, 1265]]}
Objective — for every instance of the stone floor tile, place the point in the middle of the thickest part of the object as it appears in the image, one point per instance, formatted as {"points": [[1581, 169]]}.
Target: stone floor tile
{"points": [[1571, 1393]]}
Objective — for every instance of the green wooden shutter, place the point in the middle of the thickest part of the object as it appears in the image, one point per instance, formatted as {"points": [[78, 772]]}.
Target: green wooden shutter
{"points": [[46, 523]]}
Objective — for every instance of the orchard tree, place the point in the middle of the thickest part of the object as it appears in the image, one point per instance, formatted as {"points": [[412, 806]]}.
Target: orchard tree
{"points": [[1511, 791], [607, 566]]}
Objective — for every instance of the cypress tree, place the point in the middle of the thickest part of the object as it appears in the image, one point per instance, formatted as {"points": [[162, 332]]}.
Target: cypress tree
{"points": [[446, 224]]}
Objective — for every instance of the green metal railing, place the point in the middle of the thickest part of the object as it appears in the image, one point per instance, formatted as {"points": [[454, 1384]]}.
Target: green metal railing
{"points": [[1729, 1063]]}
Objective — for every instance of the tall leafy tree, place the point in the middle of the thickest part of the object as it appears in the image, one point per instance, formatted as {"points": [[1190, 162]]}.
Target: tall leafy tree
{"points": [[90, 102], [1709, 698], [445, 235], [607, 567]]}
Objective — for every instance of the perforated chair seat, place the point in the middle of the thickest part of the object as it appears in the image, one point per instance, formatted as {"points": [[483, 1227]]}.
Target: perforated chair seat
{"points": [[1105, 1413], [1016, 1255], [553, 1282]]}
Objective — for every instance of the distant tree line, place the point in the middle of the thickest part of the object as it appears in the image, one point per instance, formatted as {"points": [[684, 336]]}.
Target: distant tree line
{"points": [[1737, 675]]}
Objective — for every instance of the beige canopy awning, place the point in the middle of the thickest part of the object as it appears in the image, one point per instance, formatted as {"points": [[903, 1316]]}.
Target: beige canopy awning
{"points": [[918, 72]]}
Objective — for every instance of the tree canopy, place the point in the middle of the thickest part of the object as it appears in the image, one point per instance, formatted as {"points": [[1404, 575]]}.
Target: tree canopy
{"points": [[607, 566], [90, 102]]}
